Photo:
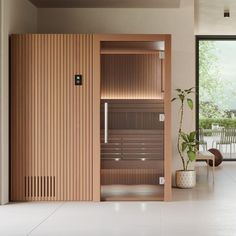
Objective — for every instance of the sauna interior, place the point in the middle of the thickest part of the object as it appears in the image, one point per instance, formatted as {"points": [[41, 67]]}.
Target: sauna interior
{"points": [[132, 120]]}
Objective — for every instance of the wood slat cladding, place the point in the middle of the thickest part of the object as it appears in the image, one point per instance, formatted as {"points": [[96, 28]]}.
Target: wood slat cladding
{"points": [[131, 76], [133, 145], [133, 114], [130, 176], [134, 120], [51, 118], [39, 186], [136, 164]]}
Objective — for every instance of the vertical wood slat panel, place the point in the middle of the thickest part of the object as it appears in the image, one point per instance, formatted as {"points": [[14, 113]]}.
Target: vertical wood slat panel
{"points": [[131, 76], [167, 136], [130, 176], [51, 118]]}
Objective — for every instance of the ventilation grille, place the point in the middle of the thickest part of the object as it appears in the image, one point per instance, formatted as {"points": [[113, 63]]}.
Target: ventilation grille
{"points": [[39, 186]]}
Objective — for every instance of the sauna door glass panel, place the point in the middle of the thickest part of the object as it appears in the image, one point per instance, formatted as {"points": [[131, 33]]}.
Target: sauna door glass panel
{"points": [[132, 118]]}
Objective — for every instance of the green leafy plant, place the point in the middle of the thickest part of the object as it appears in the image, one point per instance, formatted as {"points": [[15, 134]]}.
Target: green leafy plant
{"points": [[214, 102], [187, 142], [225, 122]]}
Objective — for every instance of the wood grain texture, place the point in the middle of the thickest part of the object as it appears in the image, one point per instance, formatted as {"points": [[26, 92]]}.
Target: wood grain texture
{"points": [[168, 126], [133, 114], [130, 176], [51, 118], [131, 76], [96, 119], [133, 145]]}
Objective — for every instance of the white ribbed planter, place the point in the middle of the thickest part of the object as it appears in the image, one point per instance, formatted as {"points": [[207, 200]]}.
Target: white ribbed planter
{"points": [[185, 179]]}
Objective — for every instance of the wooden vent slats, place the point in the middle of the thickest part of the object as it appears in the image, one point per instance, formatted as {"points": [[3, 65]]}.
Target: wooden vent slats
{"points": [[39, 186]]}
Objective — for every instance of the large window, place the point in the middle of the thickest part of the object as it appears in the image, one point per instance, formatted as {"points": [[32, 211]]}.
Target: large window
{"points": [[216, 92]]}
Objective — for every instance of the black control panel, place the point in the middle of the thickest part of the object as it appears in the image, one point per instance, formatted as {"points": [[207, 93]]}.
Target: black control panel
{"points": [[78, 80]]}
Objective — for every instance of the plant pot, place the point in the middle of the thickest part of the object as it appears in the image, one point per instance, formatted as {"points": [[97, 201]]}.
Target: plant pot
{"points": [[185, 179]]}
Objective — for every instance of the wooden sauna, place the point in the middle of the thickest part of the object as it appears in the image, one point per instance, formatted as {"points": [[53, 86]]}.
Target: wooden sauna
{"points": [[132, 120], [106, 137]]}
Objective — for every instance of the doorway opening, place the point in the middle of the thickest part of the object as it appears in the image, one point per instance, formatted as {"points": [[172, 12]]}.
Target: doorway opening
{"points": [[134, 117]]}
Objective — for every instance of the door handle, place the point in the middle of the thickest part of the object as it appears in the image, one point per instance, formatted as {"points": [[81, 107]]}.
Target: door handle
{"points": [[105, 122]]}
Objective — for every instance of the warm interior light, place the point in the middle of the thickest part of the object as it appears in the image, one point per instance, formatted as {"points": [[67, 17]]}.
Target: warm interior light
{"points": [[143, 159], [131, 98], [117, 159]]}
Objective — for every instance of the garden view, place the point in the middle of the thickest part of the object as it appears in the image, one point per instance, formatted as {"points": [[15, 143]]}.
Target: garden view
{"points": [[217, 96]]}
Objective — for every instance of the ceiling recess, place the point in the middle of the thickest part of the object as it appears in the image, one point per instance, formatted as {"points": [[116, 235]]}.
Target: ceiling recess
{"points": [[106, 3]]}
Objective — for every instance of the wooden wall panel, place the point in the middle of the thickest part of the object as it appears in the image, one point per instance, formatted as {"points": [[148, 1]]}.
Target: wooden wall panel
{"points": [[133, 145], [168, 126], [130, 176], [133, 114], [51, 118], [131, 76]]}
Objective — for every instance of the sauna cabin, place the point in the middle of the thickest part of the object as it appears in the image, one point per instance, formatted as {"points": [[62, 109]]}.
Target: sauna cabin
{"points": [[90, 117]]}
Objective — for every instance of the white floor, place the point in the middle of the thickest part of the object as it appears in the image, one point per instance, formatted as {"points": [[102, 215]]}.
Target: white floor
{"points": [[206, 210]]}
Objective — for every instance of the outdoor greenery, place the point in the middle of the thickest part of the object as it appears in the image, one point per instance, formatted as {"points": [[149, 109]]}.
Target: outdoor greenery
{"points": [[215, 91], [187, 142], [213, 99], [225, 122]]}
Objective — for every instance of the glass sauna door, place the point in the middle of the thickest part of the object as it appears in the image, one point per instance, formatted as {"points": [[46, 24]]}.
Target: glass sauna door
{"points": [[132, 127]]}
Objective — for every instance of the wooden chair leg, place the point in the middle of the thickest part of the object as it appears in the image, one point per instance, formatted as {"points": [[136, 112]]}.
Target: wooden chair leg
{"points": [[207, 168], [213, 170]]}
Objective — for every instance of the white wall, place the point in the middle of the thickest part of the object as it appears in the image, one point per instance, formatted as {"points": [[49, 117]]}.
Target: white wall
{"points": [[17, 16], [209, 17], [179, 22]]}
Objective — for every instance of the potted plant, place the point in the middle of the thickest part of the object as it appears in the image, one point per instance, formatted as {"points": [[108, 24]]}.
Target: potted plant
{"points": [[187, 143]]}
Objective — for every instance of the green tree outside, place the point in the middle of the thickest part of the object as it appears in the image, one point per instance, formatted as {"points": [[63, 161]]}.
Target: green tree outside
{"points": [[213, 102]]}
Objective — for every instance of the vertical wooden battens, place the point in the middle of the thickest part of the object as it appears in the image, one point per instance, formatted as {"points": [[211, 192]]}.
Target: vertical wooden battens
{"points": [[129, 76], [96, 118], [51, 118], [167, 109]]}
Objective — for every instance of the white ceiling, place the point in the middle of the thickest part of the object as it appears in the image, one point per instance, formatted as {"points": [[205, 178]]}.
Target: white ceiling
{"points": [[106, 3]]}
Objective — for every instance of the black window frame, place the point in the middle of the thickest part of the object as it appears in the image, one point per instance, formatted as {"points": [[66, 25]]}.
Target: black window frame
{"points": [[207, 38]]}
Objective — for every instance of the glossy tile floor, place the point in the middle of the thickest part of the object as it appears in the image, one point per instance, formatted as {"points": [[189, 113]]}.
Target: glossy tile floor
{"points": [[206, 210]]}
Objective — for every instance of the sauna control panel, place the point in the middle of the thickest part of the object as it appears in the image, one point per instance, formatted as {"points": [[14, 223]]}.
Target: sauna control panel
{"points": [[78, 80]]}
